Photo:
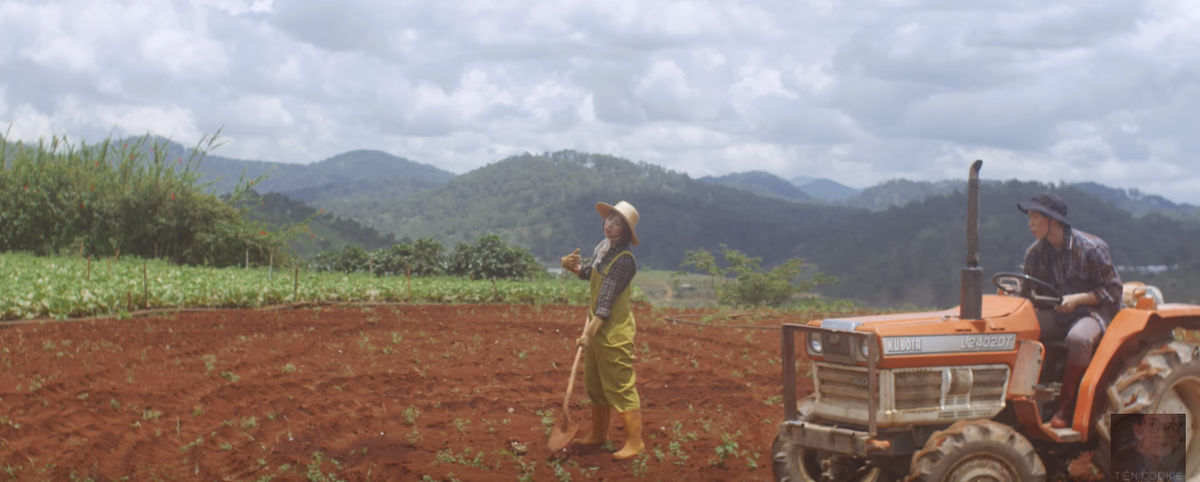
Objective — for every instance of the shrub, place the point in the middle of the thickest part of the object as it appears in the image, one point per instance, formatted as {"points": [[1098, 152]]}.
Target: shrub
{"points": [[350, 259], [487, 258], [126, 196], [423, 258]]}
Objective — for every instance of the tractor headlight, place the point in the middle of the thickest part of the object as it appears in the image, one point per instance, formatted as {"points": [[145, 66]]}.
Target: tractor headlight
{"points": [[814, 343], [865, 349]]}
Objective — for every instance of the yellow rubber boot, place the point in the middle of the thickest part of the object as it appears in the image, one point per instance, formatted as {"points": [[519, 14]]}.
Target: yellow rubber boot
{"points": [[633, 435], [599, 433]]}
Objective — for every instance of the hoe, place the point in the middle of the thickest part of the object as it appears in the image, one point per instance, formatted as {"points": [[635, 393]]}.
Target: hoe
{"points": [[965, 394]]}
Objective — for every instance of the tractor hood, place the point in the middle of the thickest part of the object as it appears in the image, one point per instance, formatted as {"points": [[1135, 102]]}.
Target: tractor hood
{"points": [[931, 338], [994, 306]]}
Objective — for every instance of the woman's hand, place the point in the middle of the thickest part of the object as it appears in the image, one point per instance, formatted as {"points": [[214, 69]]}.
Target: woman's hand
{"points": [[571, 262], [589, 331]]}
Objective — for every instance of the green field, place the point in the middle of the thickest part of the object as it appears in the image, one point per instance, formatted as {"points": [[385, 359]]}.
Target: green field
{"points": [[65, 287], [665, 288]]}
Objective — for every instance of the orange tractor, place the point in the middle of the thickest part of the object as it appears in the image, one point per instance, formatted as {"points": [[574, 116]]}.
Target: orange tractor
{"points": [[963, 394]]}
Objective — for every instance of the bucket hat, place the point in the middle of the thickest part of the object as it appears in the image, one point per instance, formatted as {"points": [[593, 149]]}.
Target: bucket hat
{"points": [[1048, 204]]}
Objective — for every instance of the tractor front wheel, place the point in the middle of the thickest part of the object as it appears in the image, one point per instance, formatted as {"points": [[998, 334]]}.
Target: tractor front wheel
{"points": [[977, 451]]}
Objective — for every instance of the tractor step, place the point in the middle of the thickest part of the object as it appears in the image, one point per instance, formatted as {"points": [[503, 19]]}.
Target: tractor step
{"points": [[1046, 392], [1064, 434]]}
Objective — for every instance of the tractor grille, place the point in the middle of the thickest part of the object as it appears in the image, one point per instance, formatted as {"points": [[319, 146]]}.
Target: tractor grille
{"points": [[840, 384], [941, 392], [916, 390], [922, 388], [838, 345]]}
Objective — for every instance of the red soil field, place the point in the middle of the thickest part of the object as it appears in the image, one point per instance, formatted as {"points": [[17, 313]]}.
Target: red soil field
{"points": [[402, 392], [282, 395]]}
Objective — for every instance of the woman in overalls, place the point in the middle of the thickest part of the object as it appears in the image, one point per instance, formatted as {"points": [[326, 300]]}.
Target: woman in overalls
{"points": [[608, 336]]}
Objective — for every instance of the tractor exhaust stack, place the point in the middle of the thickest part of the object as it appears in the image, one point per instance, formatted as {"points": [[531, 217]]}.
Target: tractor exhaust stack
{"points": [[971, 292]]}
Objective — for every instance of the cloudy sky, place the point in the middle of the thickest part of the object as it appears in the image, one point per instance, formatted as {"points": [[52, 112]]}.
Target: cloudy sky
{"points": [[856, 91]]}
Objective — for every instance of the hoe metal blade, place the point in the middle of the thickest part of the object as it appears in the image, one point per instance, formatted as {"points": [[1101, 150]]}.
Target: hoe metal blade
{"points": [[565, 431]]}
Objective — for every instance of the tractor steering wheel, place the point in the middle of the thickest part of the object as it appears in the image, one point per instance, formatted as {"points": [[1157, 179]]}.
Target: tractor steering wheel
{"points": [[1020, 284]]}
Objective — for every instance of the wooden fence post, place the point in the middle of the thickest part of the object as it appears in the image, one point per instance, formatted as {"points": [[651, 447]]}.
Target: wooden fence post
{"points": [[145, 285], [271, 266], [296, 284], [89, 270]]}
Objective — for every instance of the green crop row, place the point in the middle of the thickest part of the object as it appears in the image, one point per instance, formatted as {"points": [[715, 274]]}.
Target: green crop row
{"points": [[64, 287]]}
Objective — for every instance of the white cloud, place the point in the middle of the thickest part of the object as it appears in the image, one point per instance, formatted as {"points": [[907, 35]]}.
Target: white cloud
{"points": [[169, 121], [27, 124], [861, 92], [184, 53], [237, 7]]}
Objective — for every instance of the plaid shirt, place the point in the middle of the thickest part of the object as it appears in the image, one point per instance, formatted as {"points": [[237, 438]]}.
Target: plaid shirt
{"points": [[619, 277], [1083, 265]]}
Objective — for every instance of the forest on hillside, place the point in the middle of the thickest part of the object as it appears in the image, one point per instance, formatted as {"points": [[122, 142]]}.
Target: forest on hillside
{"points": [[909, 253]]}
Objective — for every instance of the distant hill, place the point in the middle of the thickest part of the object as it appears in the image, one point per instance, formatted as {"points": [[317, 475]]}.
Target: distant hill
{"points": [[761, 183], [1135, 201], [828, 190], [898, 192], [340, 169], [902, 245], [359, 165], [546, 203], [903, 254], [802, 180], [912, 254], [362, 199], [327, 231]]}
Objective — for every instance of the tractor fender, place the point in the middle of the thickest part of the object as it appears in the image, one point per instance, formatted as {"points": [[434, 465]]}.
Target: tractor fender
{"points": [[1128, 326]]}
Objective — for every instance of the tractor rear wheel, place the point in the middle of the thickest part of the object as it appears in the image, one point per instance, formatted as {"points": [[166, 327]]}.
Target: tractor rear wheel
{"points": [[791, 463], [977, 451], [1162, 379]]}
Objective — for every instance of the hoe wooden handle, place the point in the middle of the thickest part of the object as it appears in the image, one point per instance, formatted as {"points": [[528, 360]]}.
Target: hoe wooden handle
{"points": [[571, 385]]}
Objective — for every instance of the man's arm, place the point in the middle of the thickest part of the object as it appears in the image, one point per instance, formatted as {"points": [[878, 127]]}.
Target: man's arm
{"points": [[1108, 282], [1102, 275]]}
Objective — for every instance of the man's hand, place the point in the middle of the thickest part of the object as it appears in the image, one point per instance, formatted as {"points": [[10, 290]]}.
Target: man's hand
{"points": [[1070, 302], [589, 331], [571, 262]]}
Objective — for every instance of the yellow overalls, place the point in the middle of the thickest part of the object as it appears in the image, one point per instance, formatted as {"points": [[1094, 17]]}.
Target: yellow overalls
{"points": [[608, 358]]}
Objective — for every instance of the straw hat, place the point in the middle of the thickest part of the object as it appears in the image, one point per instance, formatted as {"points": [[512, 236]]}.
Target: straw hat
{"points": [[627, 212]]}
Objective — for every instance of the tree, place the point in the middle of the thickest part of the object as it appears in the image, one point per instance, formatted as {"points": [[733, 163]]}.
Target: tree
{"points": [[489, 258], [752, 285]]}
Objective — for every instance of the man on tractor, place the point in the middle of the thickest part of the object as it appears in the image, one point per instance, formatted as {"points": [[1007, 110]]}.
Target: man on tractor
{"points": [[1079, 266]]}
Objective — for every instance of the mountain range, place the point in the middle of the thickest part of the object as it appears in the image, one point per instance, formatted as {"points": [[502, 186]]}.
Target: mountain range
{"points": [[896, 243]]}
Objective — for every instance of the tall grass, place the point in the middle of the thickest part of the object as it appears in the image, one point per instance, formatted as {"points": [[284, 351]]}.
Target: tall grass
{"points": [[126, 197]]}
